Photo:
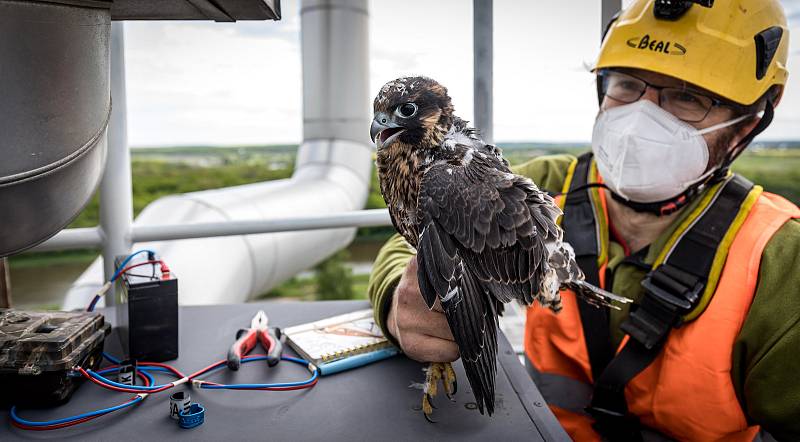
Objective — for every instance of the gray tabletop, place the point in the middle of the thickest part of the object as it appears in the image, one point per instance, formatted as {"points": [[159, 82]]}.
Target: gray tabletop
{"points": [[374, 402]]}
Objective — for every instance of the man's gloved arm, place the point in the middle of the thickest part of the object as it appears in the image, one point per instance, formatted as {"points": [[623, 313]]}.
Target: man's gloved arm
{"points": [[766, 363], [386, 272]]}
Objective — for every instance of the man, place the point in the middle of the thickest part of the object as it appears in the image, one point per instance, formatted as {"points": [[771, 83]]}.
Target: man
{"points": [[709, 351]]}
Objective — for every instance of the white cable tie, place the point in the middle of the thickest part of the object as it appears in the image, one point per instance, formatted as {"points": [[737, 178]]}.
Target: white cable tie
{"points": [[196, 383], [143, 395], [180, 381]]}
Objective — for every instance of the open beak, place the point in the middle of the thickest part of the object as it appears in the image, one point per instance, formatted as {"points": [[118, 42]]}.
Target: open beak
{"points": [[384, 130]]}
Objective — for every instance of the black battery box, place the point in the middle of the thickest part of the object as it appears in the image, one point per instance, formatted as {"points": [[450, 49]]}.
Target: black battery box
{"points": [[39, 349], [147, 313]]}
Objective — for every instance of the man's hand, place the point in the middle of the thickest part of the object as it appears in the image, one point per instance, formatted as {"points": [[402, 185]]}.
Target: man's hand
{"points": [[423, 334]]}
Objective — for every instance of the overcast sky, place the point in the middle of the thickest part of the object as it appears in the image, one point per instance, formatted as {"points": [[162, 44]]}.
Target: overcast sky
{"points": [[240, 83]]}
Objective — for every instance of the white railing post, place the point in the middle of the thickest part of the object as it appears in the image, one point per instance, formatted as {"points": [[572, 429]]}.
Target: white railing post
{"points": [[483, 65], [116, 197]]}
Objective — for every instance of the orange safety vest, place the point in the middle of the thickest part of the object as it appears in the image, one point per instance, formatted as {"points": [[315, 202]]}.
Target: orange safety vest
{"points": [[686, 392]]}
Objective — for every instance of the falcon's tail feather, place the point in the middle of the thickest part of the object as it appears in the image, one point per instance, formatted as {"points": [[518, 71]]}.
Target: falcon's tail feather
{"points": [[475, 329]]}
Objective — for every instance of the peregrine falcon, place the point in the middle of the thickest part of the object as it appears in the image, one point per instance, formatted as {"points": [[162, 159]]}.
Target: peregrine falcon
{"points": [[484, 236]]}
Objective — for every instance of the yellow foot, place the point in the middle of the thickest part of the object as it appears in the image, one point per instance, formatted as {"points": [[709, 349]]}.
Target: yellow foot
{"points": [[437, 371]]}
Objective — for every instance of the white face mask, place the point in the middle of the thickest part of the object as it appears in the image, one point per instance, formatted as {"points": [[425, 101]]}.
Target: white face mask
{"points": [[645, 154]]}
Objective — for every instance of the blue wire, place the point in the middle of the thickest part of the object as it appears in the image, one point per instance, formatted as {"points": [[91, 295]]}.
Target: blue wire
{"points": [[22, 421], [111, 359], [145, 370], [126, 261], [119, 269], [117, 384], [162, 369], [141, 370], [314, 375]]}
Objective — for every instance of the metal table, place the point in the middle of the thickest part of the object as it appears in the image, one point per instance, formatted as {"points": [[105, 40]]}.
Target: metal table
{"points": [[374, 402]]}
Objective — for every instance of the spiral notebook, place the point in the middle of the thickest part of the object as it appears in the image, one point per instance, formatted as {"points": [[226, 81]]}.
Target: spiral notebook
{"points": [[340, 342]]}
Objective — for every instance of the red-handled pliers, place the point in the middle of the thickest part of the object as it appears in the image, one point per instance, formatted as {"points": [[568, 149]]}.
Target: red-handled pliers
{"points": [[246, 340]]}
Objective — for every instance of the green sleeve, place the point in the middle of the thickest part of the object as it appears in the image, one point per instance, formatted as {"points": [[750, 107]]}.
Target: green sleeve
{"points": [[386, 272], [548, 172], [765, 355]]}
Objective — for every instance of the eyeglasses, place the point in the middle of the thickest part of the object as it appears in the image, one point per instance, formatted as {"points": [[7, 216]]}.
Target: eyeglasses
{"points": [[688, 105]]}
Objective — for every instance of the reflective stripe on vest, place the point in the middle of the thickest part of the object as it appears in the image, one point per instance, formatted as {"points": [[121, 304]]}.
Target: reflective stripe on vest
{"points": [[687, 391]]}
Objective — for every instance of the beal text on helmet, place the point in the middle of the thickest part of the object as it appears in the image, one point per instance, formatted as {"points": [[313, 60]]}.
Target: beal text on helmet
{"points": [[656, 45]]}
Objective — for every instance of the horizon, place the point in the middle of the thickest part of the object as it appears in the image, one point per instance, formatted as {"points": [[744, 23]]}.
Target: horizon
{"points": [[793, 142]]}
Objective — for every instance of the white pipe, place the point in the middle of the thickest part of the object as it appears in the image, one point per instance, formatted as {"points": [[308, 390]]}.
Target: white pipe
{"points": [[82, 238], [331, 176]]}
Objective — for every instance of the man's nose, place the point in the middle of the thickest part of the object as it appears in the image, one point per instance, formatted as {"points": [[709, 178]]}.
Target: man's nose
{"points": [[650, 94]]}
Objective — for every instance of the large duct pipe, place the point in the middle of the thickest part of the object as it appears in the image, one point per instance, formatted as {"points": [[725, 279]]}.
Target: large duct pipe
{"points": [[54, 110], [332, 174]]}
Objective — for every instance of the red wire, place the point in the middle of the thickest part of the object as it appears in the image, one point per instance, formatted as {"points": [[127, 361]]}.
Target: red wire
{"points": [[164, 267], [120, 389], [55, 427], [164, 272], [76, 422], [172, 369], [218, 363]]}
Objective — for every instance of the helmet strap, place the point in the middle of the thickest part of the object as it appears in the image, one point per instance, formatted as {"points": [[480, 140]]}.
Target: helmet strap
{"points": [[766, 120]]}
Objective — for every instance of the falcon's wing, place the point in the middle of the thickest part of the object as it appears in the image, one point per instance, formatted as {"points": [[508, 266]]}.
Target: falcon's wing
{"points": [[483, 242]]}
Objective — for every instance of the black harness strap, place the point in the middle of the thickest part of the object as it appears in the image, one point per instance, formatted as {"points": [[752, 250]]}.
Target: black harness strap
{"points": [[672, 290], [580, 231]]}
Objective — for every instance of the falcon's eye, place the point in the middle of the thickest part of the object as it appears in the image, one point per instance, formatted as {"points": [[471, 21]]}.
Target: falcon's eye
{"points": [[406, 110]]}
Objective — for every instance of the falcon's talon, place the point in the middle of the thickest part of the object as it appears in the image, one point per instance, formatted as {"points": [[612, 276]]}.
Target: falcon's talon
{"points": [[430, 401], [449, 380], [434, 372], [427, 418], [427, 408]]}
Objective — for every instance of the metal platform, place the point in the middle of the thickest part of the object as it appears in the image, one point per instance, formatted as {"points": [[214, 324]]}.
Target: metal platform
{"points": [[374, 402]]}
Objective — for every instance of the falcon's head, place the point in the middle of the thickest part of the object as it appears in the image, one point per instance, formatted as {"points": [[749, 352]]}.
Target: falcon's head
{"points": [[413, 110]]}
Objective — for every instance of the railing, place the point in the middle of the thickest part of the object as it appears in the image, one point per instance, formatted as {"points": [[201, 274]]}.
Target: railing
{"points": [[92, 237]]}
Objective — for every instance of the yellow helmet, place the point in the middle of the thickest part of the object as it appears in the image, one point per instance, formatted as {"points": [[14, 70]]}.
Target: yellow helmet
{"points": [[734, 48]]}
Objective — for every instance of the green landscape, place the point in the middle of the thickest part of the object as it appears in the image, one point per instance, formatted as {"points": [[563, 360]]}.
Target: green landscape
{"points": [[158, 172]]}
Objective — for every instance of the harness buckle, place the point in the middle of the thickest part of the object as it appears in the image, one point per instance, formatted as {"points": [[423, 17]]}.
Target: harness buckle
{"points": [[670, 294]]}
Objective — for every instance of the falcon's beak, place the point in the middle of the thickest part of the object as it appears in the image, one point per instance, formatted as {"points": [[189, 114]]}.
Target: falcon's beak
{"points": [[384, 130]]}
